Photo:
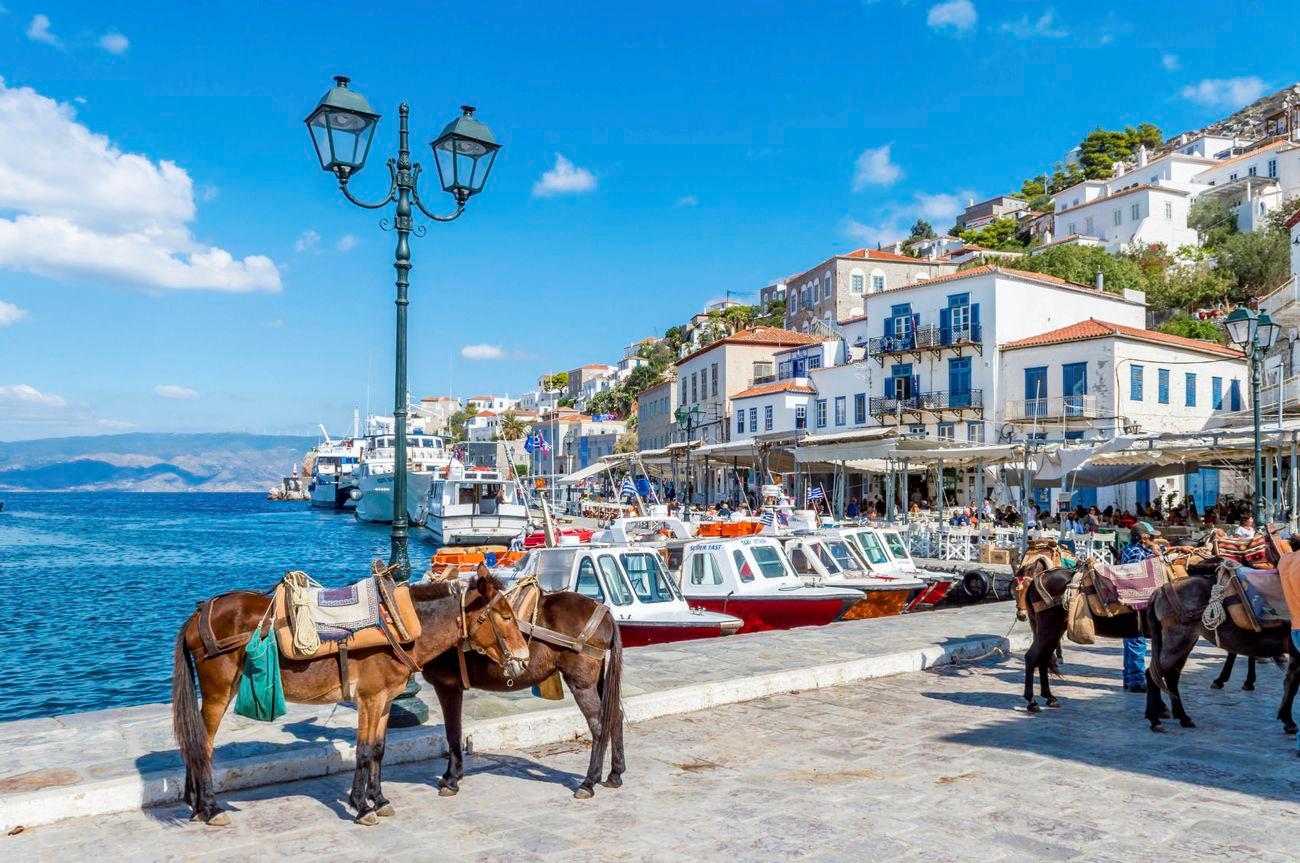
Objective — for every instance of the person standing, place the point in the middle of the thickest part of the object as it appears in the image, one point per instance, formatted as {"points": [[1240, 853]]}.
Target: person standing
{"points": [[1140, 547]]}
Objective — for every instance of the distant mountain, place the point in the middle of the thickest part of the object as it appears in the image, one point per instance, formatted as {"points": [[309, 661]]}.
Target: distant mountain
{"points": [[151, 462]]}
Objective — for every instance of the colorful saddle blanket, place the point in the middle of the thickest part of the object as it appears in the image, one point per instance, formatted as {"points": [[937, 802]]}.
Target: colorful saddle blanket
{"points": [[1130, 584], [340, 611], [1250, 552], [1263, 589]]}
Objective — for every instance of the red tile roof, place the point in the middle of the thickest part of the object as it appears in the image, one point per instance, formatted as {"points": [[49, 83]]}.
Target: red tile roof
{"points": [[786, 386], [774, 336], [1095, 329], [1295, 217], [878, 255], [854, 319]]}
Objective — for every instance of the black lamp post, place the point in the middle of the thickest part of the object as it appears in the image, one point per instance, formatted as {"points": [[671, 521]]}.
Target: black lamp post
{"points": [[342, 127], [1255, 333], [688, 419]]}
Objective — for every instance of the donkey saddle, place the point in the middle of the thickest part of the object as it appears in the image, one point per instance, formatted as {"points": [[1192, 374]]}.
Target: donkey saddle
{"points": [[373, 612]]}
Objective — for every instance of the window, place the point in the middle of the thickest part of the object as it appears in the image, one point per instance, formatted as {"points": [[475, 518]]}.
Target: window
{"points": [[1252, 171], [1087, 225], [1036, 391], [762, 370], [588, 584], [1232, 177], [801, 417], [647, 576], [1272, 167], [812, 363], [916, 430], [871, 547], [1070, 230], [1191, 390], [1135, 383], [1169, 211], [877, 284], [794, 301], [714, 373], [1118, 217], [753, 420], [821, 413], [827, 287], [618, 592], [1162, 386], [1134, 212], [769, 561], [767, 418], [859, 408], [1216, 393], [1234, 395], [799, 560], [841, 410], [743, 569], [704, 570], [695, 392], [975, 432], [1074, 388], [857, 283], [740, 421], [947, 431]]}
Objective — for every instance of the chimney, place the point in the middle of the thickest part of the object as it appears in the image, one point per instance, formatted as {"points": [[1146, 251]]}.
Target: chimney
{"points": [[1182, 139], [1142, 156], [1101, 281]]}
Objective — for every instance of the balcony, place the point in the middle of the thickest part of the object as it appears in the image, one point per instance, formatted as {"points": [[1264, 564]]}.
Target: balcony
{"points": [[930, 337], [1051, 409], [959, 402]]}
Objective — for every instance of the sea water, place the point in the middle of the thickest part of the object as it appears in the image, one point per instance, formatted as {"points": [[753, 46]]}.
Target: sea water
{"points": [[95, 586]]}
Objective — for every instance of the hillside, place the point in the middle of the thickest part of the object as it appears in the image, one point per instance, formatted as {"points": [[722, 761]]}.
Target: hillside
{"points": [[1247, 122], [151, 462]]}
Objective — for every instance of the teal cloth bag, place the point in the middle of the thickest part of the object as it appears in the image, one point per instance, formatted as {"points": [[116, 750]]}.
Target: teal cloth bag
{"points": [[261, 694]]}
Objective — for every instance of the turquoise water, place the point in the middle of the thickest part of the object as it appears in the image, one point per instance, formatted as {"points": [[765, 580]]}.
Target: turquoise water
{"points": [[95, 586]]}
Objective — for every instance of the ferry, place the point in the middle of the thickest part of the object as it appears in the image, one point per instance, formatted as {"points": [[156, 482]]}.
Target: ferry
{"points": [[372, 485], [473, 506], [634, 584]]}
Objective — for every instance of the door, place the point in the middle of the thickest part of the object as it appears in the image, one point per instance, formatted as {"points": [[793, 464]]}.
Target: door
{"points": [[959, 394], [1036, 392], [1074, 386]]}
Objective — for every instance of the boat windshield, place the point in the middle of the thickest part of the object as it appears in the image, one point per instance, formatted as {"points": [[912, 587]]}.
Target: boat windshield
{"points": [[614, 583], [551, 566], [647, 577], [824, 556], [896, 547], [842, 553], [769, 561], [871, 547]]}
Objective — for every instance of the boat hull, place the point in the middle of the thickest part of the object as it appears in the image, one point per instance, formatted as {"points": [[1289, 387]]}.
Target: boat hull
{"points": [[640, 633], [761, 614], [879, 603], [326, 494], [475, 529]]}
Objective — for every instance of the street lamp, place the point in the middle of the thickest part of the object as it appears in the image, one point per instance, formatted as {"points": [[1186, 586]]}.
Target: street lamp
{"points": [[688, 419], [1255, 333], [342, 128]]}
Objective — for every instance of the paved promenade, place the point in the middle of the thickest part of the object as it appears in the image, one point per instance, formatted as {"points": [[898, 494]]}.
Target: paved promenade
{"points": [[925, 767]]}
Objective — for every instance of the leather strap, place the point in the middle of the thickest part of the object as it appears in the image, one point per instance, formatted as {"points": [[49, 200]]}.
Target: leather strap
{"points": [[396, 645], [213, 646], [582, 644], [464, 672], [343, 670], [387, 599]]}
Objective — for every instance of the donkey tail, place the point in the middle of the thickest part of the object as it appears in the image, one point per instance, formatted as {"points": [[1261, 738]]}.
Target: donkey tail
{"points": [[187, 722], [611, 696], [1157, 644]]}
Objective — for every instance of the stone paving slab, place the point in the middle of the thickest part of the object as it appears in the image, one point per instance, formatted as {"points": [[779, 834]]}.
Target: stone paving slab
{"points": [[106, 761], [919, 768]]}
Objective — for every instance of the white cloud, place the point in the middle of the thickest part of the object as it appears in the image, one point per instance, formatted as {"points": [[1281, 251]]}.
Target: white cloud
{"points": [[307, 242], [1225, 92], [959, 16], [492, 352], [564, 179], [940, 207], [10, 314], [1044, 28], [874, 167], [1170, 62], [347, 243], [686, 201], [86, 211], [895, 221], [22, 394], [174, 391], [39, 31], [114, 42]]}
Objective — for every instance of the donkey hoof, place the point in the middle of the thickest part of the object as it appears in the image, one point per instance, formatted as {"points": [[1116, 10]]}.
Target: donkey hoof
{"points": [[613, 781], [1248, 687], [1218, 684], [386, 811], [219, 819], [583, 793], [1052, 702], [368, 819], [1289, 729], [447, 791], [1034, 708], [1157, 728], [1186, 722], [1165, 714]]}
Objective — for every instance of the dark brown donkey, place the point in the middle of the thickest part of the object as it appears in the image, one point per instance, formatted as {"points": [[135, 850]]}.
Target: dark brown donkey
{"points": [[571, 634], [1175, 619], [449, 613]]}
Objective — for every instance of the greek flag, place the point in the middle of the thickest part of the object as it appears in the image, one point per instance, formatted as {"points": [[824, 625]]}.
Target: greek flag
{"points": [[542, 444], [768, 518], [816, 493], [530, 443], [628, 487]]}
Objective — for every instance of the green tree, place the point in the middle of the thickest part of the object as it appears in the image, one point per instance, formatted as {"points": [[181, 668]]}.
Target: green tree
{"points": [[511, 426], [1001, 235], [773, 315], [1188, 327], [1082, 263], [1212, 220], [626, 443], [565, 402], [521, 469], [1278, 218], [456, 423], [922, 230], [556, 383], [1256, 262]]}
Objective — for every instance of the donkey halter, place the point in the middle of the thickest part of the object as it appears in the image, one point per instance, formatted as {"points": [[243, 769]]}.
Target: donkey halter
{"points": [[483, 616]]}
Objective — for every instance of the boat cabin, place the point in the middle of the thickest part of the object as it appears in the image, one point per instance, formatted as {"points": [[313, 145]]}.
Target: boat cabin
{"points": [[822, 557], [735, 566], [618, 577], [473, 491]]}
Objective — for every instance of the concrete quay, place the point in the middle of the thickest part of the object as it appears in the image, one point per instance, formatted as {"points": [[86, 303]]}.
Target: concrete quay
{"points": [[93, 764], [933, 767]]}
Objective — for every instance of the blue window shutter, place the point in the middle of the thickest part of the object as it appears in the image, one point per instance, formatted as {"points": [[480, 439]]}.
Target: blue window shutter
{"points": [[975, 313], [916, 322], [889, 326], [1234, 395], [945, 325], [889, 387]]}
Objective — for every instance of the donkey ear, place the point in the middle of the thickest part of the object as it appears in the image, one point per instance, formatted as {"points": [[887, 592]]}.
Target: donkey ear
{"points": [[483, 581]]}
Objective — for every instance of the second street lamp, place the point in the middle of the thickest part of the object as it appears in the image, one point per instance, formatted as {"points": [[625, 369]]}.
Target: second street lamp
{"points": [[1255, 333], [342, 128], [688, 419]]}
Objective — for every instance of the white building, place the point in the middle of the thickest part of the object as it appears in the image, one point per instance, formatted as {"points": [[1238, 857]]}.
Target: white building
{"points": [[836, 288], [498, 404], [781, 406], [1254, 183], [1135, 216]]}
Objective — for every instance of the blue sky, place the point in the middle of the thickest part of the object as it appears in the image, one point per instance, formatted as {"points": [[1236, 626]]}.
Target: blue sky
{"points": [[193, 269]]}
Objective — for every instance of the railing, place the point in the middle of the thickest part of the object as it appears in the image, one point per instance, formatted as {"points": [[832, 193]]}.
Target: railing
{"points": [[762, 379], [928, 337], [939, 401], [1054, 407], [1285, 294]]}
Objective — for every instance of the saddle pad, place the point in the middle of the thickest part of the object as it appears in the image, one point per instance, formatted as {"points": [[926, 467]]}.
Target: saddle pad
{"points": [[1263, 588], [338, 612], [371, 636], [1251, 552], [1130, 584]]}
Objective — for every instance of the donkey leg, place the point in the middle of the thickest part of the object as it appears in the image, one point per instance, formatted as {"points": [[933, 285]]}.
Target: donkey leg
{"points": [[1289, 687], [215, 701], [383, 808], [451, 699], [589, 704], [617, 763], [1226, 674], [359, 797], [1249, 685], [1175, 697], [1032, 659], [1044, 668]]}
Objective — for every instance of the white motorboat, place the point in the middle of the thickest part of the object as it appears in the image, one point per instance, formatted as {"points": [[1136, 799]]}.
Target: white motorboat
{"points": [[426, 454], [473, 506], [886, 551], [329, 467], [829, 560]]}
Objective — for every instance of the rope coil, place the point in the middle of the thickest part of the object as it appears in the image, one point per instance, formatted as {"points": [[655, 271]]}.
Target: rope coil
{"points": [[1215, 614], [305, 638]]}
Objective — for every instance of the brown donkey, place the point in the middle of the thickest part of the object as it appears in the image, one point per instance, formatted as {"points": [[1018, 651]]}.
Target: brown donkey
{"points": [[450, 613], [571, 634]]}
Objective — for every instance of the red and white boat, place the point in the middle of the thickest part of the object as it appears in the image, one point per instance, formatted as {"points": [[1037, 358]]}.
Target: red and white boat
{"points": [[886, 551], [750, 578], [567, 536], [828, 559], [633, 583]]}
